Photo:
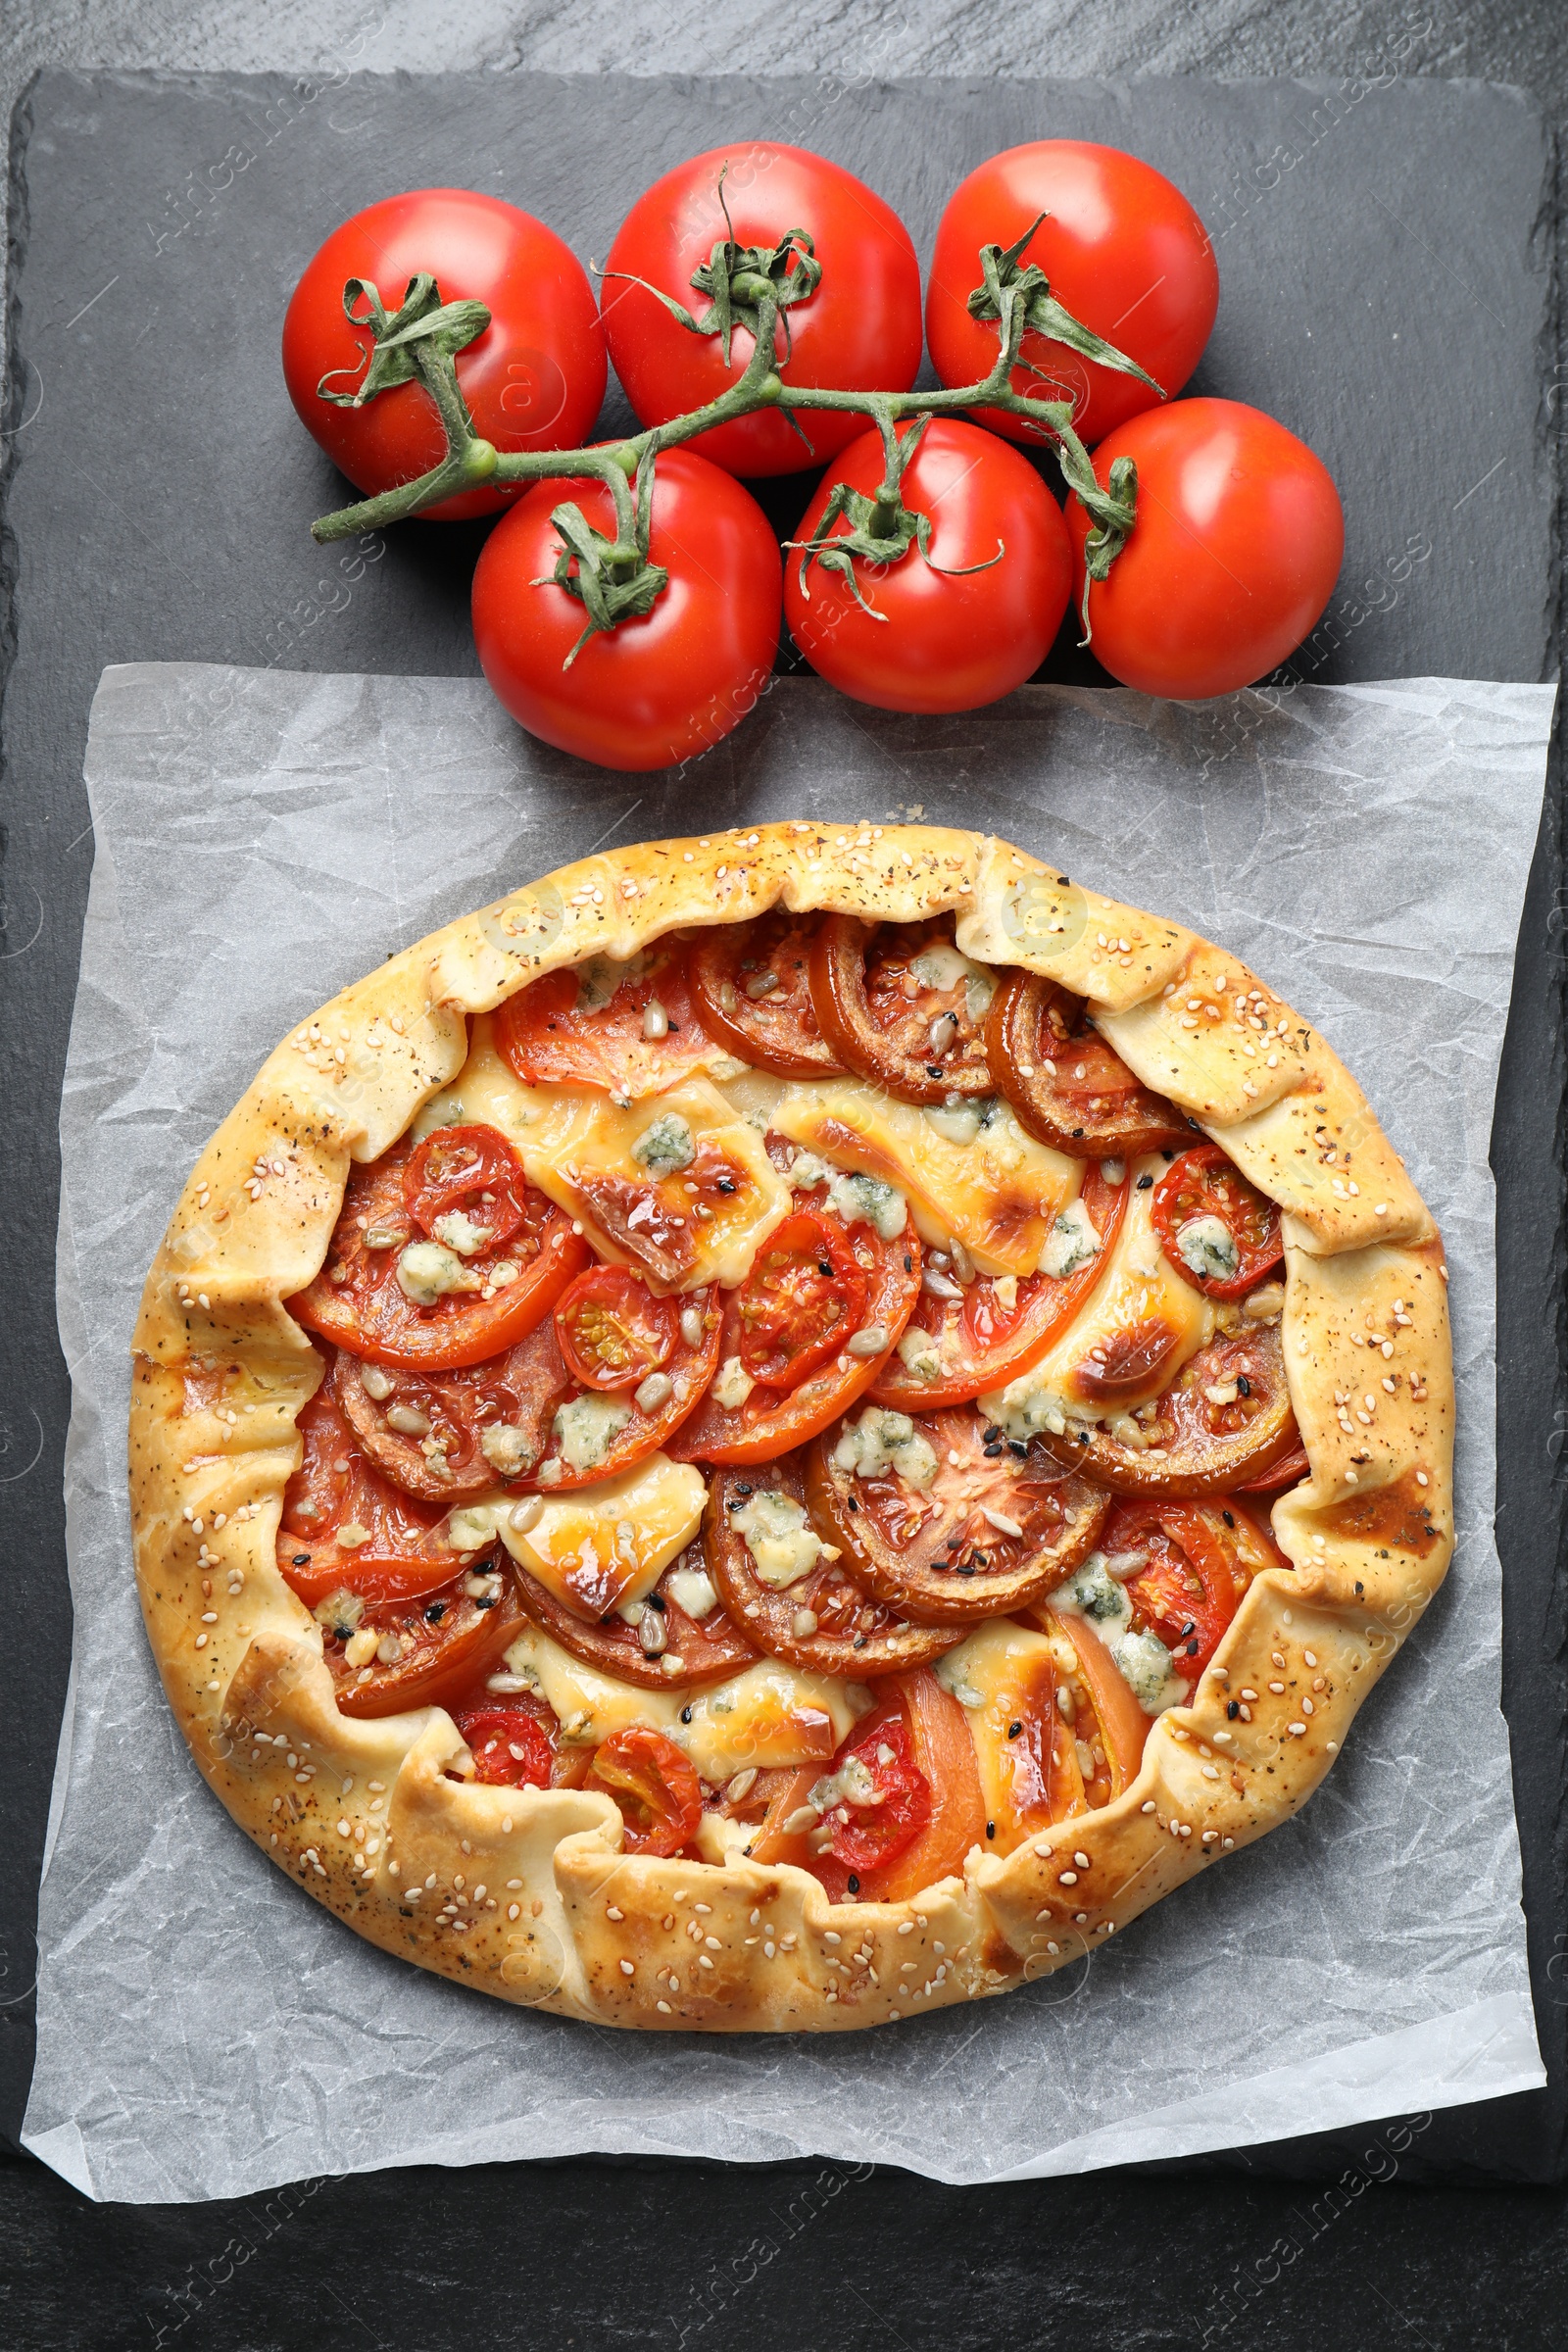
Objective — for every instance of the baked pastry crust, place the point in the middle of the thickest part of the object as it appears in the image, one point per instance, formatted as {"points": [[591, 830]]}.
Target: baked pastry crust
{"points": [[526, 1892]]}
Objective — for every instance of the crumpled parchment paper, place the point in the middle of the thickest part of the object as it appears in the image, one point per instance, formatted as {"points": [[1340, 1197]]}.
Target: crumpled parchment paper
{"points": [[263, 837]]}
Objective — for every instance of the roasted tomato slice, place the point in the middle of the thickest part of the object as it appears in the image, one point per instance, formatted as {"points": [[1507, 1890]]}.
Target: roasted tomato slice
{"points": [[613, 1332], [343, 1525], [1287, 1471], [995, 1525], [392, 1290], [1225, 1418], [594, 1435], [820, 1621], [431, 1651], [884, 1798], [926, 1725], [767, 1421], [465, 1186], [1219, 1232], [655, 1787], [652, 1220], [508, 1742], [804, 1297], [1067, 1087], [630, 1028], [750, 985], [1185, 1567], [966, 1340], [898, 1003], [444, 1435], [1108, 1726], [666, 1645]]}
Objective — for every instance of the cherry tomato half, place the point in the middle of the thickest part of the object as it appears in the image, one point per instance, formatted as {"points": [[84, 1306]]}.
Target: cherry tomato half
{"points": [[499, 1288], [803, 1299], [860, 330], [961, 624], [471, 1172], [613, 1331], [655, 1787], [654, 690], [533, 379], [1219, 1232], [1124, 252], [510, 1745], [1235, 553]]}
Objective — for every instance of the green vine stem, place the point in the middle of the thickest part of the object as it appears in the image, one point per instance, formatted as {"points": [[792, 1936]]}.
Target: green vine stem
{"points": [[755, 289]]}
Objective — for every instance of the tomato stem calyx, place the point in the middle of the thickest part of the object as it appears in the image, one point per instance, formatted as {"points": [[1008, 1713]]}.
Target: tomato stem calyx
{"points": [[740, 279], [1041, 313], [422, 325], [882, 529], [611, 578]]}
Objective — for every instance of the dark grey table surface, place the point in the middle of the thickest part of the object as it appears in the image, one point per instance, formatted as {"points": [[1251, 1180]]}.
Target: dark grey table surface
{"points": [[1294, 2238]]}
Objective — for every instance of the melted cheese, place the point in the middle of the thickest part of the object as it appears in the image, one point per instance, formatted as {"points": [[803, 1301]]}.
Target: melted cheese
{"points": [[1137, 1286], [769, 1716], [597, 1159], [487, 1092], [998, 1676], [605, 1545], [1000, 1195]]}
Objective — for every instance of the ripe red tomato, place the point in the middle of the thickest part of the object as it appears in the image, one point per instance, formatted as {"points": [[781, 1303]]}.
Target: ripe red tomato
{"points": [[1237, 546], [859, 332], [653, 691], [944, 643], [533, 379], [1125, 253]]}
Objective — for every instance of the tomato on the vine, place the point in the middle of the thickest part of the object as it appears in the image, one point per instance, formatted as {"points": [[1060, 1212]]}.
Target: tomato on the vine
{"points": [[859, 329], [1124, 252], [1235, 553], [963, 623], [653, 689], [535, 378]]}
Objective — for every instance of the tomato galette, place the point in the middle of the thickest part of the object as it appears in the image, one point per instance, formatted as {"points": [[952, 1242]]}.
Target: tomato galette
{"points": [[785, 1429]]}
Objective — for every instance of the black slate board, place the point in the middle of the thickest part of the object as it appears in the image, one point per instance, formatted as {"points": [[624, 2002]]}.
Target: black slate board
{"points": [[1388, 292]]}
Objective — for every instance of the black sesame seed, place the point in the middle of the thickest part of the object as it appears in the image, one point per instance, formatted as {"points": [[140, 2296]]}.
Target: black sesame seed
{"points": [[486, 1601], [1232, 1709], [991, 1828], [1144, 1183], [302, 1559], [726, 1184], [743, 1492], [1361, 1587], [1016, 1445], [656, 1601], [1167, 1154], [1244, 1387], [1013, 1728], [992, 1451], [1229, 1518], [824, 1266], [849, 1499], [909, 1265], [685, 1714], [436, 1612], [1077, 1131], [860, 1642], [852, 1883], [933, 1070], [1192, 1650]]}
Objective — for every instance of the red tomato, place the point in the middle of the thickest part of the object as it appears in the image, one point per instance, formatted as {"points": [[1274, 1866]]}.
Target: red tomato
{"points": [[1125, 253], [653, 691], [1235, 553], [564, 1031], [655, 1787], [612, 1329], [533, 379], [859, 332], [1201, 1193], [895, 1804], [803, 1297], [358, 1301], [394, 1551], [942, 642], [471, 1172], [510, 1745]]}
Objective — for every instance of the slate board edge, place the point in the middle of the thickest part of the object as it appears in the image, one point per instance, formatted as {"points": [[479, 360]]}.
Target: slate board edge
{"points": [[1534, 1025]]}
